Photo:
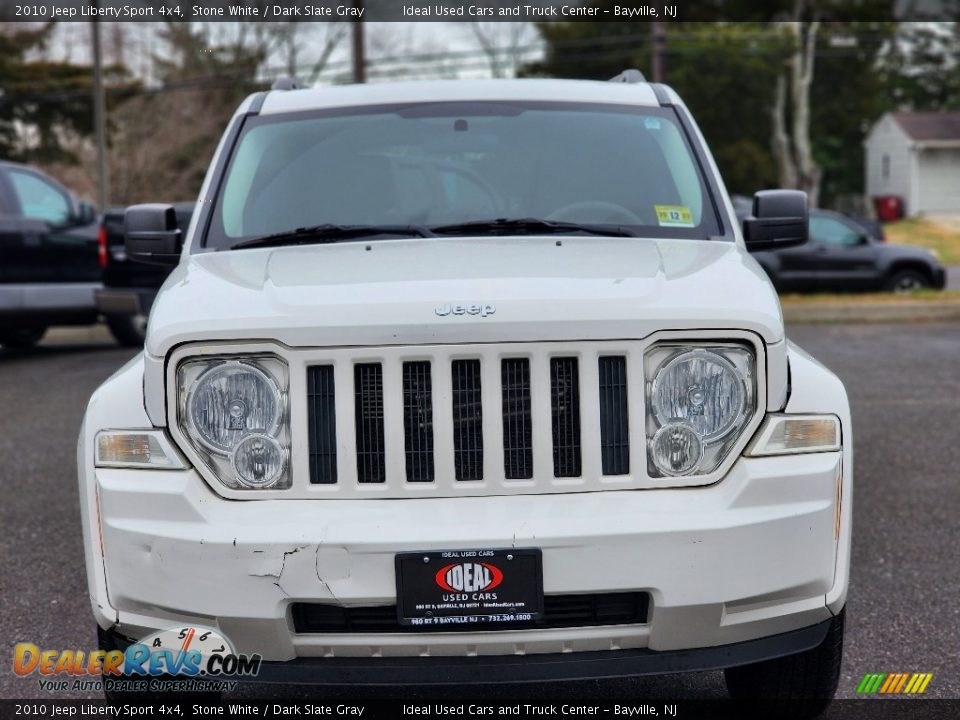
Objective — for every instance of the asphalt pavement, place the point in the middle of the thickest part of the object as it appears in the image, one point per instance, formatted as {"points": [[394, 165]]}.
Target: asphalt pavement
{"points": [[903, 614]]}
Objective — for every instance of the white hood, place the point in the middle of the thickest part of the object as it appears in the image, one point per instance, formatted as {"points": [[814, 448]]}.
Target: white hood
{"points": [[386, 292]]}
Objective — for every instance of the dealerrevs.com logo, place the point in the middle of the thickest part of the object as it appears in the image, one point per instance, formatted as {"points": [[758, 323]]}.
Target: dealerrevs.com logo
{"points": [[469, 577], [196, 658]]}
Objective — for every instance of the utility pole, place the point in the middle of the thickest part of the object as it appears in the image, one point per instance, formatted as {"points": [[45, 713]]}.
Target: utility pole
{"points": [[658, 60], [99, 117], [359, 54]]}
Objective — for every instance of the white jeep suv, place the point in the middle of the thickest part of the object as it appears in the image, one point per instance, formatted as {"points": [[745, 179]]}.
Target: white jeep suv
{"points": [[475, 381]]}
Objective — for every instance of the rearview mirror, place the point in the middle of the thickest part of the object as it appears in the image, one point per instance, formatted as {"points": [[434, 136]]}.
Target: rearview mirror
{"points": [[779, 219], [151, 234]]}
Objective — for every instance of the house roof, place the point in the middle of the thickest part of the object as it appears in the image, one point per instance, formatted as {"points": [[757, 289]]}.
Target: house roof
{"points": [[925, 126]]}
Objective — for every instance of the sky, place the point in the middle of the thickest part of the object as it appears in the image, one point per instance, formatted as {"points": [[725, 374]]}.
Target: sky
{"points": [[411, 48]]}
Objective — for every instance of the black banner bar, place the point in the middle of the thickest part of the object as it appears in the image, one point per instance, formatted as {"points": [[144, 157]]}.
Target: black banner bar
{"points": [[637, 708], [454, 10]]}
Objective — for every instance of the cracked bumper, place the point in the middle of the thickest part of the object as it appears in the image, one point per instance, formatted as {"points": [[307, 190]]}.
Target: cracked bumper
{"points": [[749, 557]]}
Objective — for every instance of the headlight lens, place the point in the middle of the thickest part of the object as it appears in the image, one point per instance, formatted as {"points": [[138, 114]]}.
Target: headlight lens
{"points": [[699, 399], [676, 448], [258, 460], [231, 400], [234, 412], [703, 388]]}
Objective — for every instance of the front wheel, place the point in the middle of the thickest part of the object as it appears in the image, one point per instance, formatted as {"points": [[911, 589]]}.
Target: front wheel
{"points": [[904, 281], [796, 686], [128, 330]]}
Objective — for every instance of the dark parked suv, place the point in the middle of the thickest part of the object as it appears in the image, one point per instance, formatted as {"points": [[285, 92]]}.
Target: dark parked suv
{"points": [[842, 255], [48, 256]]}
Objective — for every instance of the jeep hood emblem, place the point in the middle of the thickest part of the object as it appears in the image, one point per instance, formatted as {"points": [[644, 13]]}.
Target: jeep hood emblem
{"points": [[481, 309]]}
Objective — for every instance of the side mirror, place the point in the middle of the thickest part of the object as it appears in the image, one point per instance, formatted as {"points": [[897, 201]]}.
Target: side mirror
{"points": [[779, 219], [151, 234], [86, 213]]}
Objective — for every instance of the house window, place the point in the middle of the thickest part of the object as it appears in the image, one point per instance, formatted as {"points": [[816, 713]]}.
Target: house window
{"points": [[885, 167]]}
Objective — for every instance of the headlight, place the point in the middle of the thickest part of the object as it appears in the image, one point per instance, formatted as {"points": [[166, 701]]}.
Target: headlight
{"points": [[699, 399], [258, 461], [233, 410], [231, 400]]}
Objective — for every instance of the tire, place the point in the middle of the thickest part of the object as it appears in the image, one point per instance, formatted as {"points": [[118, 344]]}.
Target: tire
{"points": [[21, 338], [128, 330], [107, 641], [903, 281], [796, 686]]}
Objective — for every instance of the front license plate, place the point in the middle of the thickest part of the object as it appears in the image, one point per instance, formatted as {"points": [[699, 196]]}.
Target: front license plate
{"points": [[459, 587]]}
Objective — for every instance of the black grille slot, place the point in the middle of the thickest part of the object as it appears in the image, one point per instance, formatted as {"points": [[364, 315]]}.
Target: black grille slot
{"points": [[565, 416], [559, 611], [467, 420], [368, 395], [517, 425], [614, 418], [418, 421], [323, 425]]}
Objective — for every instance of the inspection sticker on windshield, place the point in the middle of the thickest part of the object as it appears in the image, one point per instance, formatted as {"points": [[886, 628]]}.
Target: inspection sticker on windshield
{"points": [[674, 215]]}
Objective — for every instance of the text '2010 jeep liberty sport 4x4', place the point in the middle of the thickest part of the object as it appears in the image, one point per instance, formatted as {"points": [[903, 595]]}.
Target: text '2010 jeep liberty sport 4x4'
{"points": [[473, 382]]}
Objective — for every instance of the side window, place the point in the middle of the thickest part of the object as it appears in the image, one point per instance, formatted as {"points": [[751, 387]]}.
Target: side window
{"points": [[833, 232], [39, 199]]}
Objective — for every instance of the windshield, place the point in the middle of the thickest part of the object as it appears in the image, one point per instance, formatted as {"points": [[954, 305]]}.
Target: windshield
{"points": [[439, 165]]}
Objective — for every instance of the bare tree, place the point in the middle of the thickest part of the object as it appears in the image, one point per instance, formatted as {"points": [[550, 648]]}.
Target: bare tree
{"points": [[503, 44], [406, 51], [293, 36], [791, 109]]}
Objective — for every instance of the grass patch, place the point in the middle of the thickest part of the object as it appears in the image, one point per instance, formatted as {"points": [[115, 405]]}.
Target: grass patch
{"points": [[861, 298], [926, 234]]}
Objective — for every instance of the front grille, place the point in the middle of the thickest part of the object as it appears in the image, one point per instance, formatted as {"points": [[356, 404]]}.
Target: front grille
{"points": [[614, 423], [559, 611], [368, 391], [517, 422], [435, 420], [565, 413], [418, 421], [467, 420], [323, 424]]}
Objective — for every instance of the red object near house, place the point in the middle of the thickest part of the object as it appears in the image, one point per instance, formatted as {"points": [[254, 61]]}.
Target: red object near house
{"points": [[888, 207]]}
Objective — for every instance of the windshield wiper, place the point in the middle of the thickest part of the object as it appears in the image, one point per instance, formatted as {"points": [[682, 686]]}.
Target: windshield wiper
{"points": [[535, 226], [331, 233]]}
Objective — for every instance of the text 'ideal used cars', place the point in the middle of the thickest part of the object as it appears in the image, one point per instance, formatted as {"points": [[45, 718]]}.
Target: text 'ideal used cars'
{"points": [[473, 382]]}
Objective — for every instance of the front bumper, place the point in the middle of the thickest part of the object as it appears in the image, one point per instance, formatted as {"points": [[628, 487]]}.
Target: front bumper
{"points": [[750, 557], [939, 277], [505, 669]]}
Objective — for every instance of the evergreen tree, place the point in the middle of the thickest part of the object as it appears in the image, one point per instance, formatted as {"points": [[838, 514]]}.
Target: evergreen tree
{"points": [[40, 99]]}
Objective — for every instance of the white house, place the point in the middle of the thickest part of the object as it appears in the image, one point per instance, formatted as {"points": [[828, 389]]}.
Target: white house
{"points": [[916, 155]]}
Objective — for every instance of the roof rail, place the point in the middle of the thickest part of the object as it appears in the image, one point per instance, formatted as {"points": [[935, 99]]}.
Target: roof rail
{"points": [[286, 83], [631, 75]]}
